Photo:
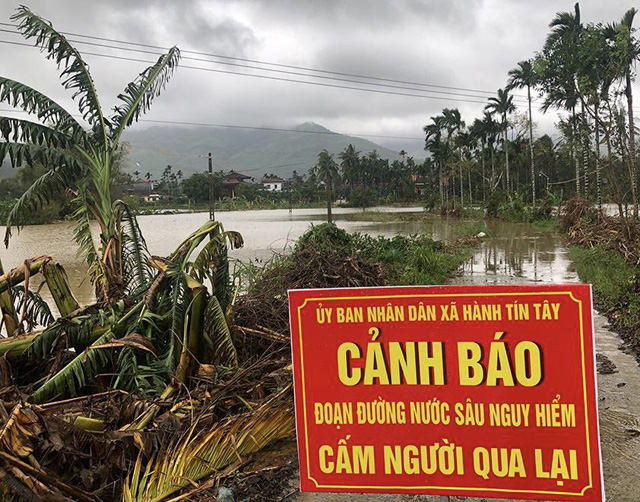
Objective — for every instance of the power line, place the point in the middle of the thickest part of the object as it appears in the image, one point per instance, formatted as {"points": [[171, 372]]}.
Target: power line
{"points": [[279, 65], [279, 79], [260, 128], [285, 72], [268, 77]]}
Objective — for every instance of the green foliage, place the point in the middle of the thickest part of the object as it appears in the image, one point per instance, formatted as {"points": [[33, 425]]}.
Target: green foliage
{"points": [[415, 259]]}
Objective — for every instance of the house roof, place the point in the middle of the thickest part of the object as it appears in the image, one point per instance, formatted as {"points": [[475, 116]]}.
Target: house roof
{"points": [[233, 174], [272, 180]]}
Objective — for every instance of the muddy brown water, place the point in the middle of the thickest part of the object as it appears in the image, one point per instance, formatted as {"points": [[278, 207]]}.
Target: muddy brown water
{"points": [[514, 253]]}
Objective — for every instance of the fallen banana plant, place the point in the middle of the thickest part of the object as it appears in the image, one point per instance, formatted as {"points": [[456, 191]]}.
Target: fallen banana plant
{"points": [[198, 455]]}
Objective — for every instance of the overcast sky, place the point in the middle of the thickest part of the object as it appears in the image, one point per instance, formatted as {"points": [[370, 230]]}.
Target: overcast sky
{"points": [[462, 44]]}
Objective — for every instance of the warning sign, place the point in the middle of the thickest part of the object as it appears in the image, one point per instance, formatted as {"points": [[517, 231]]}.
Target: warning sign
{"points": [[484, 391]]}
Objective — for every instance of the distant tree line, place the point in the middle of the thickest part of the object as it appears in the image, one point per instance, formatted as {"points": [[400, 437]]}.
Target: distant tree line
{"points": [[585, 71]]}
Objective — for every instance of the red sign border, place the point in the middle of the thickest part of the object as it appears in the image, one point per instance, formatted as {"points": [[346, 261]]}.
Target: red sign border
{"points": [[540, 290]]}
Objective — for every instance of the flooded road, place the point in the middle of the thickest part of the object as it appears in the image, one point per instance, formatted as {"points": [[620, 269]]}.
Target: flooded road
{"points": [[525, 254], [513, 253]]}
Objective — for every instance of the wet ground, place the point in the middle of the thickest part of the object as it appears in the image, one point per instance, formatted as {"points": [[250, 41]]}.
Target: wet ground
{"points": [[520, 254]]}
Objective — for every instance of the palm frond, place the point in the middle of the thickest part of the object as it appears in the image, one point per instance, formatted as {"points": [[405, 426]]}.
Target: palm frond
{"points": [[37, 309], [75, 72], [136, 272], [139, 94], [217, 336], [32, 101], [75, 375], [195, 456]]}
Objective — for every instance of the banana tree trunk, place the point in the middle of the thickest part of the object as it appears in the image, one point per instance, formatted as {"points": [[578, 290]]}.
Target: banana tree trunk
{"points": [[18, 274], [7, 308], [193, 330], [56, 280]]}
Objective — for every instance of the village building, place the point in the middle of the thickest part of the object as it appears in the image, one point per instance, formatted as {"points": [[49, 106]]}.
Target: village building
{"points": [[272, 184]]}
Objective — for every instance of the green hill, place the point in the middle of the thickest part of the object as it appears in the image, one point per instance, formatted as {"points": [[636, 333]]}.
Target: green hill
{"points": [[250, 151]]}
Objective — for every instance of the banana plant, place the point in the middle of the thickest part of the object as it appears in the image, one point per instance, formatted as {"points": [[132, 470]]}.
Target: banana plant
{"points": [[78, 155]]}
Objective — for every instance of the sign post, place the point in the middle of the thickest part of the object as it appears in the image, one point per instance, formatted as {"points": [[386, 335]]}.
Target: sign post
{"points": [[484, 391]]}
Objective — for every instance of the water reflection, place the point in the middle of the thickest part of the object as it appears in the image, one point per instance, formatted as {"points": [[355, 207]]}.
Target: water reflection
{"points": [[514, 253]]}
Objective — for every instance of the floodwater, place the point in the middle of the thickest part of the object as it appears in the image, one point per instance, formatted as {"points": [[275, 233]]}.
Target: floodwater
{"points": [[513, 253]]}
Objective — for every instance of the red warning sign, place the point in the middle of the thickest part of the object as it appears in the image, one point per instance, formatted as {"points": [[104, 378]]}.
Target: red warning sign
{"points": [[484, 391]]}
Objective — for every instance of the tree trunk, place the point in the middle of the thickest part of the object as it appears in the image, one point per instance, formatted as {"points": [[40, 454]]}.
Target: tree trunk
{"points": [[574, 130], [506, 154], [484, 181], [632, 146], [533, 170], [493, 171], [586, 136], [329, 190], [597, 159]]}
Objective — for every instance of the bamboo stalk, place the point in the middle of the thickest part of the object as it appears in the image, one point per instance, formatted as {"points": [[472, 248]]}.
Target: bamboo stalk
{"points": [[56, 280]]}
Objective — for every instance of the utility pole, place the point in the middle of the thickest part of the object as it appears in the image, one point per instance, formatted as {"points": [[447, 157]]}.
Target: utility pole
{"points": [[212, 212]]}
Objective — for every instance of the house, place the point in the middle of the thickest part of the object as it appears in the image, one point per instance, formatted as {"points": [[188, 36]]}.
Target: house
{"points": [[138, 187], [419, 184], [272, 184], [155, 197], [229, 183]]}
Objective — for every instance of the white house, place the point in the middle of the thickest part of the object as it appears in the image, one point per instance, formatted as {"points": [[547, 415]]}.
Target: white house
{"points": [[272, 184]]}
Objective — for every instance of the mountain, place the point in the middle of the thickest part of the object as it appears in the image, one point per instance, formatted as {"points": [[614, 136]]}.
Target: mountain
{"points": [[249, 151]]}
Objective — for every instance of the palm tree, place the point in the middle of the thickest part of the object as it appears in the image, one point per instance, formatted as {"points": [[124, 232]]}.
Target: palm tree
{"points": [[327, 173], [76, 158], [559, 66], [436, 147], [350, 165], [630, 51], [479, 133], [503, 106], [454, 124], [524, 75]]}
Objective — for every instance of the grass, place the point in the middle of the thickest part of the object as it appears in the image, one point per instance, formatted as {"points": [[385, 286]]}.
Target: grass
{"points": [[615, 283]]}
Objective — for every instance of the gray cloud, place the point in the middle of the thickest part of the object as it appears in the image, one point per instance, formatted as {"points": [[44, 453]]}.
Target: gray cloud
{"points": [[455, 43]]}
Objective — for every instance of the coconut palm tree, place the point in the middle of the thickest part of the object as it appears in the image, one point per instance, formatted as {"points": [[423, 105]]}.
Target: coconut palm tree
{"points": [[524, 75], [502, 105], [327, 172], [76, 157]]}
